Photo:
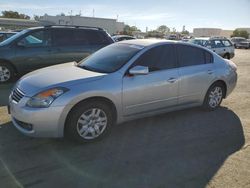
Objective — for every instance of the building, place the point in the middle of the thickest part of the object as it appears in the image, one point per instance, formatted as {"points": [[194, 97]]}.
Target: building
{"points": [[16, 24], [206, 32], [209, 32], [110, 25]]}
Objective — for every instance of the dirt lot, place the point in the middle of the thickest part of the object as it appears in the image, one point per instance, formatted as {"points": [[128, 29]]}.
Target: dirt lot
{"points": [[189, 148]]}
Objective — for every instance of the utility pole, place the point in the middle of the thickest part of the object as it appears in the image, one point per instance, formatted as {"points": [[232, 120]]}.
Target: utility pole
{"points": [[93, 12]]}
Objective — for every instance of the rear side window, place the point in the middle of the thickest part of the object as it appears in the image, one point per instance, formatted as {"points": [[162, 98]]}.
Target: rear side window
{"points": [[158, 58], [97, 37], [189, 56], [79, 37], [208, 57], [62, 37]]}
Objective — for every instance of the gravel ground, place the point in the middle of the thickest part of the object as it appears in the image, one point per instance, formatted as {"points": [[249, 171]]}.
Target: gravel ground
{"points": [[189, 148]]}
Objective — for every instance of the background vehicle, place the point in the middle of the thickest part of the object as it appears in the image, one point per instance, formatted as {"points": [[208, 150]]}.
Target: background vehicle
{"points": [[240, 42], [5, 35], [121, 82], [118, 38], [220, 45], [45, 46]]}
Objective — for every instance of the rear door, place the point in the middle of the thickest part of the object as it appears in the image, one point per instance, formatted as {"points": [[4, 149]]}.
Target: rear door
{"points": [[33, 51], [196, 73], [156, 90]]}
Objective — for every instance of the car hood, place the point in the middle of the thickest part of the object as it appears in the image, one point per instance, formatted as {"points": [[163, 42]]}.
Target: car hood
{"points": [[62, 75]]}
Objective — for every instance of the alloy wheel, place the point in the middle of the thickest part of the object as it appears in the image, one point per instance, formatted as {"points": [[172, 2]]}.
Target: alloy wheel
{"points": [[4, 74], [215, 97], [92, 123]]}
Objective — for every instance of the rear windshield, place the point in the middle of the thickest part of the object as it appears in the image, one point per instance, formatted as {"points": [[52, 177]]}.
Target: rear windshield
{"points": [[110, 58]]}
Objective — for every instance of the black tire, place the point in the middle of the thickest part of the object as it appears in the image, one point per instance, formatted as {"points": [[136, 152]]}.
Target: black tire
{"points": [[72, 124], [206, 104], [226, 56], [11, 73]]}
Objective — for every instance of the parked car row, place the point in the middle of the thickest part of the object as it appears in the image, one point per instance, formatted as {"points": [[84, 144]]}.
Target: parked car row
{"points": [[240, 42], [220, 45]]}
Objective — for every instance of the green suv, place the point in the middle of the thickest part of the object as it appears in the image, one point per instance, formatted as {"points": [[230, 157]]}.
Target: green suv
{"points": [[39, 47]]}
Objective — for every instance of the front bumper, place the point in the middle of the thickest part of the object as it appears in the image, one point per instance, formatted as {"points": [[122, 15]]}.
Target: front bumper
{"points": [[44, 122]]}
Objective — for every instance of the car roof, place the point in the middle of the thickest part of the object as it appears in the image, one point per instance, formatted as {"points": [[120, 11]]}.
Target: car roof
{"points": [[152, 42]]}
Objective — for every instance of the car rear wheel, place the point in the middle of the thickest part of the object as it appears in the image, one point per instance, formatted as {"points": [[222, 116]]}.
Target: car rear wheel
{"points": [[6, 73], [89, 121], [214, 96]]}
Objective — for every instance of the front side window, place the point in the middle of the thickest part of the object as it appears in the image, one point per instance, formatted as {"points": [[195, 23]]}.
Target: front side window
{"points": [[36, 39], [189, 56], [226, 43], [110, 58], [217, 44], [158, 58]]}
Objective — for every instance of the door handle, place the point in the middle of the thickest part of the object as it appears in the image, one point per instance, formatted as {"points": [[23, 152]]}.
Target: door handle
{"points": [[210, 72], [172, 80]]}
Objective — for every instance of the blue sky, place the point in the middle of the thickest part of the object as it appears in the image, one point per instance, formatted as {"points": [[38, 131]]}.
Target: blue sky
{"points": [[226, 14]]}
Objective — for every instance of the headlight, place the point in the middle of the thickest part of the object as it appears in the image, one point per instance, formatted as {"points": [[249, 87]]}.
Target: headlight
{"points": [[45, 99]]}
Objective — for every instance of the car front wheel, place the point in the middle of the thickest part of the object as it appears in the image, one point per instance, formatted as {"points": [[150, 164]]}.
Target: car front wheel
{"points": [[89, 121], [214, 96], [6, 73]]}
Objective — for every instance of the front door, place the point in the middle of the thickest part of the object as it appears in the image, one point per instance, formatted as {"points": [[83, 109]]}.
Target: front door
{"points": [[156, 90], [33, 51]]}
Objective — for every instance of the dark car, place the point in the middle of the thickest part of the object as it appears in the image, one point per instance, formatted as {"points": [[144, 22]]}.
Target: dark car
{"points": [[39, 47], [5, 35], [118, 38]]}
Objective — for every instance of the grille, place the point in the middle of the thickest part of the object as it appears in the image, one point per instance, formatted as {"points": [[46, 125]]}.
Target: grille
{"points": [[17, 95]]}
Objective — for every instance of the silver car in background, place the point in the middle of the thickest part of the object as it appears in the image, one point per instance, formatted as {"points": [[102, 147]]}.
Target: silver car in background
{"points": [[123, 81]]}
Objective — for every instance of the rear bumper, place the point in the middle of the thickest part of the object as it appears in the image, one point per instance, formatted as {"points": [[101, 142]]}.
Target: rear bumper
{"points": [[232, 82]]}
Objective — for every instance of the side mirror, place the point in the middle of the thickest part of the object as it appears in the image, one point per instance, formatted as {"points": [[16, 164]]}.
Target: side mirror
{"points": [[139, 70]]}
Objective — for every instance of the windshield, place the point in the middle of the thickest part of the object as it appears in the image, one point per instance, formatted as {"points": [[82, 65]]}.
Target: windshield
{"points": [[110, 58], [15, 36]]}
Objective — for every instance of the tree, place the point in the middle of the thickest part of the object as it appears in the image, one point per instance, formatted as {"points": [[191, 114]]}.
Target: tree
{"points": [[14, 14], [154, 34], [128, 30], [36, 17], [163, 29], [185, 32], [240, 33]]}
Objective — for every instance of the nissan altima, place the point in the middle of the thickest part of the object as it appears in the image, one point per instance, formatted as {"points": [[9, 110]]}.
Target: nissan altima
{"points": [[123, 81]]}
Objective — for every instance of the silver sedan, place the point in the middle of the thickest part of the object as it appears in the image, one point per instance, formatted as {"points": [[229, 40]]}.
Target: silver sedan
{"points": [[121, 82]]}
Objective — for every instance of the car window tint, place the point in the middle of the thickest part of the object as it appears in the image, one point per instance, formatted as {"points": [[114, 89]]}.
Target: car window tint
{"points": [[208, 57], [36, 39], [80, 37], [158, 58], [189, 55], [226, 43], [1, 37], [62, 37], [97, 37]]}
